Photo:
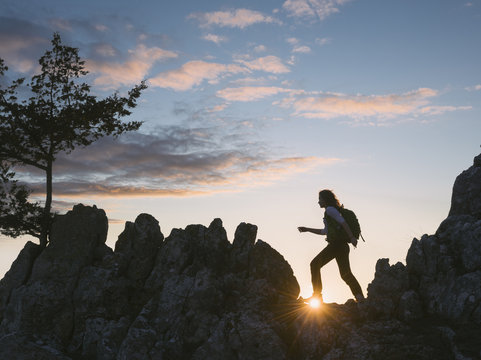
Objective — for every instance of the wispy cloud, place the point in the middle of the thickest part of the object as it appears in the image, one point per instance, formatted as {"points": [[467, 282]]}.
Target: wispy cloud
{"points": [[296, 47], [320, 9], [251, 81], [20, 48], [292, 41], [61, 24], [367, 109], [249, 93], [260, 48], [323, 41], [473, 88], [440, 109], [173, 162], [269, 63], [105, 50], [303, 49], [215, 38], [237, 18], [193, 73], [217, 108], [141, 59]]}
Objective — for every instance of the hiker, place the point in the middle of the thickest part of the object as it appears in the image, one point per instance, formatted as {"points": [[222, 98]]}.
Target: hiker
{"points": [[339, 236]]}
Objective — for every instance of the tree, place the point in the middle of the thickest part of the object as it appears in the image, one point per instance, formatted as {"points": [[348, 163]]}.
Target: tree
{"points": [[59, 116]]}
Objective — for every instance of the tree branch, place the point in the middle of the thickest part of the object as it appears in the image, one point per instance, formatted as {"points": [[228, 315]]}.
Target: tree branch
{"points": [[17, 158]]}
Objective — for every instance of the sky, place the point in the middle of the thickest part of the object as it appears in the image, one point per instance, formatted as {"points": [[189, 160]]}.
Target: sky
{"points": [[253, 107]]}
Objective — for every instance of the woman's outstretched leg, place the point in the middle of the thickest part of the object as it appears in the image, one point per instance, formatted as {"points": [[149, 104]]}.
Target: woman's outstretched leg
{"points": [[347, 275]]}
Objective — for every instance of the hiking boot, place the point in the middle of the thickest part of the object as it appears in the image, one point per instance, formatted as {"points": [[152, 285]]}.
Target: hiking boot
{"points": [[316, 297]]}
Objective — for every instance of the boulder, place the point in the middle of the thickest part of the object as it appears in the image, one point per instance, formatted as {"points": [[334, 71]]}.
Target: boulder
{"points": [[138, 245], [18, 274], [43, 305]]}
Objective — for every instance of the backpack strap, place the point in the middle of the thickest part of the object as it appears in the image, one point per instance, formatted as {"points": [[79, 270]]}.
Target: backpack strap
{"points": [[335, 232]]}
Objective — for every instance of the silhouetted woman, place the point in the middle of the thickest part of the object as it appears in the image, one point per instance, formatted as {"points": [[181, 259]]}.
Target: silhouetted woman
{"points": [[339, 236]]}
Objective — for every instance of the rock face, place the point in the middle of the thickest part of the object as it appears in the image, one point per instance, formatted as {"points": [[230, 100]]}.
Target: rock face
{"points": [[466, 198], [193, 295], [196, 295]]}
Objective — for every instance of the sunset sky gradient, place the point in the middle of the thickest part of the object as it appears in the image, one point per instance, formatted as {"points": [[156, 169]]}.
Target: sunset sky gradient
{"points": [[255, 106]]}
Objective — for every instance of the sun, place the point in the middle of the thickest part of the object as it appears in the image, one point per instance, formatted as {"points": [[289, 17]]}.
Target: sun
{"points": [[315, 303]]}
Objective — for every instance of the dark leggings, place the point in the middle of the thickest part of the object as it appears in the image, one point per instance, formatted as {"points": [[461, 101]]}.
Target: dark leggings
{"points": [[340, 252]]}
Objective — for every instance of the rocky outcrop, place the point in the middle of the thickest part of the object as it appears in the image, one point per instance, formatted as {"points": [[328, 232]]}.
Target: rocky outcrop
{"points": [[193, 295], [466, 198], [441, 281], [197, 295]]}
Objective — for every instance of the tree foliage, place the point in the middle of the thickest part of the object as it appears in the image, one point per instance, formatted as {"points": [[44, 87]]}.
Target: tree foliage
{"points": [[59, 115], [19, 216]]}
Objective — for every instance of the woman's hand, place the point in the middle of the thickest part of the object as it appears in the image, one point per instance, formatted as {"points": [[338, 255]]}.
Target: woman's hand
{"points": [[311, 230]]}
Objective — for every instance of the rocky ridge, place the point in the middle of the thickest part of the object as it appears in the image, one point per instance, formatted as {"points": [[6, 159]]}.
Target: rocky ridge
{"points": [[196, 295]]}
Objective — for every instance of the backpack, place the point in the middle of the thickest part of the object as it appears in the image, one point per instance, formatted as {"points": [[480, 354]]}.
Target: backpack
{"points": [[352, 221]]}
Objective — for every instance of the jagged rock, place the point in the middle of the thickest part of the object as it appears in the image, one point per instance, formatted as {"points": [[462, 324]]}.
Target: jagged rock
{"points": [[244, 239], [138, 244], [410, 306], [445, 269], [466, 198], [386, 290], [15, 347], [195, 295], [43, 305], [18, 273], [206, 306]]}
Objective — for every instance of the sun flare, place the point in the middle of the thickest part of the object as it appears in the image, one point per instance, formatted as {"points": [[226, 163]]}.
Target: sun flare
{"points": [[315, 303]]}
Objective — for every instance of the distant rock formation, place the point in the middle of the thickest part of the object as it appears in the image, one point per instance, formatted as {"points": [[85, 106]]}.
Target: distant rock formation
{"points": [[196, 295]]}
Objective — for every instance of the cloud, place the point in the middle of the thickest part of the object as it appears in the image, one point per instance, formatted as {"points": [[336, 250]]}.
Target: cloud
{"points": [[269, 63], [214, 38], [323, 41], [217, 108], [312, 8], [439, 110], [61, 24], [105, 50], [135, 69], [173, 162], [473, 88], [301, 49], [238, 18], [88, 189], [292, 41], [101, 27], [249, 93], [296, 47], [367, 108], [21, 44], [250, 81], [193, 73]]}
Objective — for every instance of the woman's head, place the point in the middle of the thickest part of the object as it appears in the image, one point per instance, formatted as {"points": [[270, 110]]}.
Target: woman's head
{"points": [[327, 198]]}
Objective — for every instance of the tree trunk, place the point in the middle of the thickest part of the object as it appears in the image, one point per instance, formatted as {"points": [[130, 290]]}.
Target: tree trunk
{"points": [[48, 207]]}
